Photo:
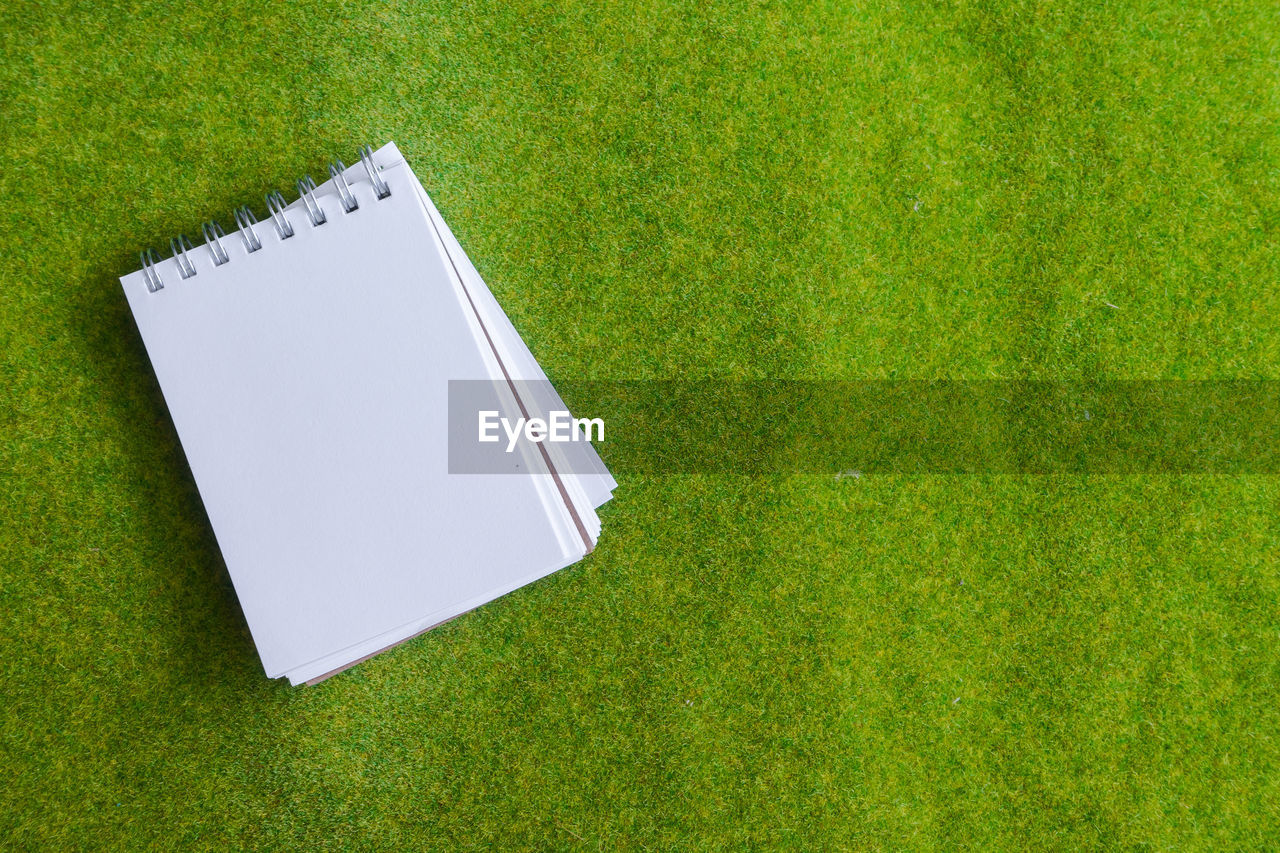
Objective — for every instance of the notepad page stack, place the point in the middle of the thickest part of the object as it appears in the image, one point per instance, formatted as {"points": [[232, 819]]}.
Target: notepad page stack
{"points": [[305, 360]]}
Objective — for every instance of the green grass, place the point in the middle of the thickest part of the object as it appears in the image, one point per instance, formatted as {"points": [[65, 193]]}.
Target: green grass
{"points": [[803, 190]]}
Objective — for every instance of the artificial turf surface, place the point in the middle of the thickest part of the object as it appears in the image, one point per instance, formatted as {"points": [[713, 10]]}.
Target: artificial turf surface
{"points": [[655, 190]]}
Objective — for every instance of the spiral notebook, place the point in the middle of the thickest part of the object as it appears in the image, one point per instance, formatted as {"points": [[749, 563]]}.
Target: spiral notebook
{"points": [[305, 361]]}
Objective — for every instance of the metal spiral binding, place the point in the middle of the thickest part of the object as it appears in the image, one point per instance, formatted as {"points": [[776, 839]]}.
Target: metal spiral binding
{"points": [[181, 245], [276, 205], [277, 208], [380, 185], [307, 192], [213, 235], [245, 220], [149, 271], [345, 195]]}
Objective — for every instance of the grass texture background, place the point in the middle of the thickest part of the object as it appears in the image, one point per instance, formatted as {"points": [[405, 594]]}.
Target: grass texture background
{"points": [[907, 190]]}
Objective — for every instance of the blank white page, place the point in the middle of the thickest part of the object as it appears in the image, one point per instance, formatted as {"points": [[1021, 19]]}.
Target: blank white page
{"points": [[308, 383]]}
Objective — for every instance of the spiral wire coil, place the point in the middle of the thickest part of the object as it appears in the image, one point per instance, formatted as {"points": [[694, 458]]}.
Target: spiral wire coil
{"points": [[245, 220], [181, 246], [307, 192], [347, 197], [213, 235]]}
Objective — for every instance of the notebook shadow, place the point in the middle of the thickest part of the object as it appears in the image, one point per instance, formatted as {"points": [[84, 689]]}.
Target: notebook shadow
{"points": [[171, 539]]}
